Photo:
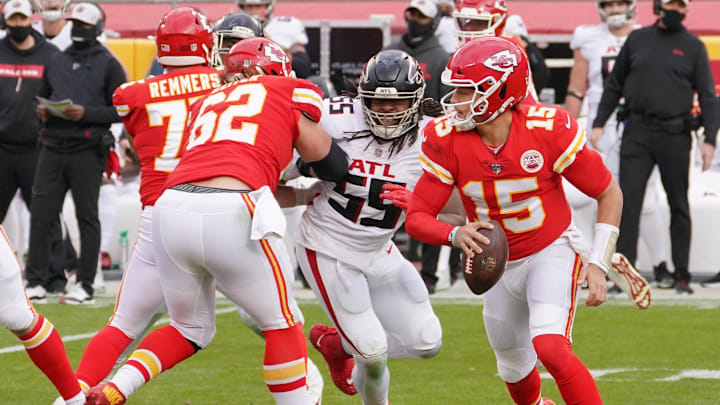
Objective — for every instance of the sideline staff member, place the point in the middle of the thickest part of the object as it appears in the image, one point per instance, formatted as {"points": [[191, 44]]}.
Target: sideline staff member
{"points": [[657, 71]]}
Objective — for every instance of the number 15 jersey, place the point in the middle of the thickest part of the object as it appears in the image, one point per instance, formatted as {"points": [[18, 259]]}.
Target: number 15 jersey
{"points": [[519, 185], [349, 219]]}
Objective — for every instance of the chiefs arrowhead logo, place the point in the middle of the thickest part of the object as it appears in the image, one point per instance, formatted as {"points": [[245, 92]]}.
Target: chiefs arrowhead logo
{"points": [[502, 61]]}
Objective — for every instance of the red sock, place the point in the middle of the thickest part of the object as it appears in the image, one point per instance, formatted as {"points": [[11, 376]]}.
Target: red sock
{"points": [[162, 349], [101, 354], [527, 390], [573, 379], [285, 359], [46, 350]]}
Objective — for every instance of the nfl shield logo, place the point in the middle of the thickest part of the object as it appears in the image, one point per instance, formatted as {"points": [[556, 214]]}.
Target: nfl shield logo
{"points": [[495, 167], [193, 47], [378, 152], [165, 47]]}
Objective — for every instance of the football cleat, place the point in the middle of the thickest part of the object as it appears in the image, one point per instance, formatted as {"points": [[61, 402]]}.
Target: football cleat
{"points": [[105, 394], [326, 340], [624, 275]]}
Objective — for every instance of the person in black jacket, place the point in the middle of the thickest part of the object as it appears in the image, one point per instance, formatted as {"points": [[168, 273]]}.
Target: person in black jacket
{"points": [[30, 54], [657, 71], [75, 145]]}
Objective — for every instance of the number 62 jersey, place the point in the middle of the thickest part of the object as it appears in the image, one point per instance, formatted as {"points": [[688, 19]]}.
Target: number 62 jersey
{"points": [[348, 220]]}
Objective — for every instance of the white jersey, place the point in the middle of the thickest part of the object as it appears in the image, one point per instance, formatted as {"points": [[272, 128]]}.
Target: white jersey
{"points": [[63, 39], [600, 48], [348, 219]]}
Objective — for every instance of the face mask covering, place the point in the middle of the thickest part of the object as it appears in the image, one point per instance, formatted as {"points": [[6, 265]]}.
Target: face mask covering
{"points": [[18, 34], [79, 33], [672, 19], [418, 31]]}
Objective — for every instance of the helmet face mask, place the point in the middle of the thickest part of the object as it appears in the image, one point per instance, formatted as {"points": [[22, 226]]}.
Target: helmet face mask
{"points": [[496, 69], [263, 16], [479, 18], [391, 75], [231, 29], [616, 20], [52, 10]]}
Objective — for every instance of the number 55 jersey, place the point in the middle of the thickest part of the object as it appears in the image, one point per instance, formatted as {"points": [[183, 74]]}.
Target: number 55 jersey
{"points": [[519, 183], [348, 219]]}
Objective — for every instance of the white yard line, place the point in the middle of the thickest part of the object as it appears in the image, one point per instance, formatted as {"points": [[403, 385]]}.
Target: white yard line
{"points": [[675, 375]]}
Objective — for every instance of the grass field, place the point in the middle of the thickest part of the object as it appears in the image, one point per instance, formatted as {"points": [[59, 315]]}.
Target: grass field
{"points": [[638, 357]]}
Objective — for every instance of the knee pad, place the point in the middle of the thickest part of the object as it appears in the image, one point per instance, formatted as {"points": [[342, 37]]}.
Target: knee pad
{"points": [[16, 318], [430, 340], [15, 311], [371, 345], [514, 365], [350, 290]]}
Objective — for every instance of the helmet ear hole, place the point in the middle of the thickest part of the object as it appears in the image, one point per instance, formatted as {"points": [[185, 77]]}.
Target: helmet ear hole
{"points": [[503, 90]]}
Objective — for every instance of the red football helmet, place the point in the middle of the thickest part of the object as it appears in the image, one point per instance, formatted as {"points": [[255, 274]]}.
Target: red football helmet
{"points": [[257, 56], [479, 18], [498, 71], [183, 38]]}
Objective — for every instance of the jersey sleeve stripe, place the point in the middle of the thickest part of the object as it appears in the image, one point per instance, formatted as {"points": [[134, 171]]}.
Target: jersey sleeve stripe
{"points": [[122, 110], [307, 96], [436, 170], [568, 157]]}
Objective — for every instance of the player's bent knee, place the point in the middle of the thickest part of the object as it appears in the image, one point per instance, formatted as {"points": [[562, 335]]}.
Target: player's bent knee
{"points": [[374, 365], [371, 345], [514, 365], [200, 337], [16, 318], [429, 341]]}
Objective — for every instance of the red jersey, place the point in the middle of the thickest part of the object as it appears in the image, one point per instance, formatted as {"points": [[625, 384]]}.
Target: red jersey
{"points": [[519, 185], [155, 111], [246, 130]]}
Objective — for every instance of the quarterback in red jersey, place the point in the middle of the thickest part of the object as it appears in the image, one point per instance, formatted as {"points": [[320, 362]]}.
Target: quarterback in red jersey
{"points": [[217, 221], [507, 160]]}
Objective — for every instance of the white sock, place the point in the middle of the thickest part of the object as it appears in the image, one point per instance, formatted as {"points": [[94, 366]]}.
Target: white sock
{"points": [[128, 379], [371, 378], [298, 396], [78, 399]]}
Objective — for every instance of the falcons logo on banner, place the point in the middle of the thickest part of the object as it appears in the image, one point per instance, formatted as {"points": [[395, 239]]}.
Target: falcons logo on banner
{"points": [[503, 61]]}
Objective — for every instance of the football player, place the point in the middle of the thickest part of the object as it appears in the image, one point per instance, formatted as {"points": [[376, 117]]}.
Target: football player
{"points": [[595, 49], [217, 220], [42, 342], [260, 9], [229, 30], [507, 160], [487, 18], [375, 298], [143, 108]]}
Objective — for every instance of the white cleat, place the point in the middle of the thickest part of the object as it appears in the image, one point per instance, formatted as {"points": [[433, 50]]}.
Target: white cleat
{"points": [[624, 275], [315, 383]]}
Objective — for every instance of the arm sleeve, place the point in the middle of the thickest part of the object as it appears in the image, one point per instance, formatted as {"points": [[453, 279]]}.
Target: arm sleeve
{"points": [[613, 86], [428, 198], [705, 86], [106, 114]]}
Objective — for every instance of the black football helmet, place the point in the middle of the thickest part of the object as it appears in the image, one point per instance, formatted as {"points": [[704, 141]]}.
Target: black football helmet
{"points": [[391, 74], [230, 29]]}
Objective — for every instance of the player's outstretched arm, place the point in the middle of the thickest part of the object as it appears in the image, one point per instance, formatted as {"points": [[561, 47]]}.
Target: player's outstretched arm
{"points": [[321, 157]]}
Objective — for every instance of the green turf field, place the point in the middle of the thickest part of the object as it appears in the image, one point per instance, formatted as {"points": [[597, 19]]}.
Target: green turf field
{"points": [[643, 356]]}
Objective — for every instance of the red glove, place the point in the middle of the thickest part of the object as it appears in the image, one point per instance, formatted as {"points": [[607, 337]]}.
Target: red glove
{"points": [[112, 165], [399, 195]]}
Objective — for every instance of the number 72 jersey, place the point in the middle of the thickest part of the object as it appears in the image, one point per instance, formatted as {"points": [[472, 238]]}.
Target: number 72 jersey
{"points": [[520, 185], [155, 111]]}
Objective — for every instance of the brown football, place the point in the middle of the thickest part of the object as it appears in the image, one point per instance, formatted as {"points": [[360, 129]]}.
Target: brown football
{"points": [[484, 270]]}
